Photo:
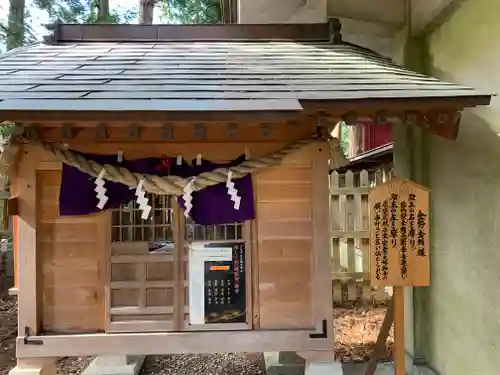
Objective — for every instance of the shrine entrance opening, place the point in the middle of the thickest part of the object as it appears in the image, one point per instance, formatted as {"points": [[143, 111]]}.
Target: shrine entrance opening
{"points": [[148, 286]]}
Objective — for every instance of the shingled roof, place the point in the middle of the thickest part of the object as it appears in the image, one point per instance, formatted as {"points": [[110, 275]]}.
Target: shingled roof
{"points": [[161, 68]]}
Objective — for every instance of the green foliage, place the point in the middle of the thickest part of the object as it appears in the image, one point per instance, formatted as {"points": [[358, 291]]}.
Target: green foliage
{"points": [[17, 31], [344, 139], [190, 11], [82, 11], [6, 129]]}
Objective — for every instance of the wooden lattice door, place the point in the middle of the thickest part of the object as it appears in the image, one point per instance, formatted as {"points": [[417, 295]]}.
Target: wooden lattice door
{"points": [[147, 288], [143, 290]]}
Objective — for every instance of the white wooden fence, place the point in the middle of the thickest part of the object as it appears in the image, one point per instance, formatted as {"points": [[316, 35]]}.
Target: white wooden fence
{"points": [[350, 238]]}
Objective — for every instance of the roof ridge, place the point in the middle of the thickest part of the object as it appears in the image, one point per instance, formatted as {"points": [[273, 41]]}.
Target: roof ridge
{"points": [[17, 50], [72, 33]]}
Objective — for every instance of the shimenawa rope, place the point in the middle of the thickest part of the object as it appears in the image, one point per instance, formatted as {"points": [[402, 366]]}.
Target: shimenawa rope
{"points": [[171, 185]]}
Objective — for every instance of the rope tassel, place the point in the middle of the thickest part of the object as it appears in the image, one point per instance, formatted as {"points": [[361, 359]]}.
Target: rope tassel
{"points": [[232, 191]]}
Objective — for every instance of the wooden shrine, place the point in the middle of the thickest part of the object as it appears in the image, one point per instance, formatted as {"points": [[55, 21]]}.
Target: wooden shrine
{"points": [[204, 153]]}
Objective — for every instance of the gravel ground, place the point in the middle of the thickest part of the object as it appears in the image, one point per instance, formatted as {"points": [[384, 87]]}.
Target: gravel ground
{"points": [[72, 365], [356, 330], [8, 333], [208, 364]]}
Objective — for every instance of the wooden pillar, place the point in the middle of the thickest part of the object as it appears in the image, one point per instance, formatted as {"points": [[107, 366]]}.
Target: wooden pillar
{"points": [[403, 297], [27, 265], [321, 270], [15, 233], [15, 250], [416, 168], [411, 161]]}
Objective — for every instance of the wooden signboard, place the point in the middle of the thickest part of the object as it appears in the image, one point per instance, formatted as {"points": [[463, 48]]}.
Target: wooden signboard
{"points": [[399, 234]]}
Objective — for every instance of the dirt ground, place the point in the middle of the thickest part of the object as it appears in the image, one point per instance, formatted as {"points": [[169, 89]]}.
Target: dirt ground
{"points": [[356, 330], [8, 333]]}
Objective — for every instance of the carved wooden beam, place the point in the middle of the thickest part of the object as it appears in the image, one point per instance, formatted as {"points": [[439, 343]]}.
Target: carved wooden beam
{"points": [[30, 132], [232, 131], [102, 132], [68, 132], [265, 130], [200, 131], [134, 132], [442, 123], [167, 132], [411, 118], [380, 118], [445, 124]]}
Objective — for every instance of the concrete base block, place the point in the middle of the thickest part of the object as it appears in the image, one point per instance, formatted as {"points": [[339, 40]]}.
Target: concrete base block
{"points": [[291, 357], [283, 363], [422, 370], [360, 368], [25, 371], [32, 371], [324, 368], [385, 368], [115, 365], [34, 367]]}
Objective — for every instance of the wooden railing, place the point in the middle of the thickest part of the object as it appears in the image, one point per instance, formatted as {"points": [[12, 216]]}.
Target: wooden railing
{"points": [[350, 238]]}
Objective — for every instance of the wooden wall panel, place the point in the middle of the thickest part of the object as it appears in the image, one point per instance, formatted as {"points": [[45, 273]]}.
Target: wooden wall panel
{"points": [[70, 250], [284, 238]]}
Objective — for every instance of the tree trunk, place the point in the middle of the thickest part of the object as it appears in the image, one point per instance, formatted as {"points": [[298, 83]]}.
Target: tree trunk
{"points": [[103, 15], [146, 9], [16, 30]]}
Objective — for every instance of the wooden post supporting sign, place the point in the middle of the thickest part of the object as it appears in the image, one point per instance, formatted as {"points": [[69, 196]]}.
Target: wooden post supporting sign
{"points": [[399, 247]]}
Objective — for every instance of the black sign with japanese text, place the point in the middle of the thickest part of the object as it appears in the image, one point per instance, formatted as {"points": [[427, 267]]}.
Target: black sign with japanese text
{"points": [[225, 292]]}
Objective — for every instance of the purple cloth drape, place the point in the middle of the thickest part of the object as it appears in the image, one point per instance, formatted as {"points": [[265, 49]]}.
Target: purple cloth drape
{"points": [[211, 206]]}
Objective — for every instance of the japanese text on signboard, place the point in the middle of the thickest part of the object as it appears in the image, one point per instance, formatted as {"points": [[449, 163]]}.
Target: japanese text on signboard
{"points": [[399, 234]]}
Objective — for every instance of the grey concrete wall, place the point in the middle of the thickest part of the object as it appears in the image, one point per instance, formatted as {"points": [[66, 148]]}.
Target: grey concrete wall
{"points": [[388, 12], [367, 34], [461, 316]]}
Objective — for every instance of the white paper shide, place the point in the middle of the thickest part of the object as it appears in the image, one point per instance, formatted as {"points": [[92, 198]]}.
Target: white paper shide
{"points": [[100, 190], [232, 191], [142, 200]]}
